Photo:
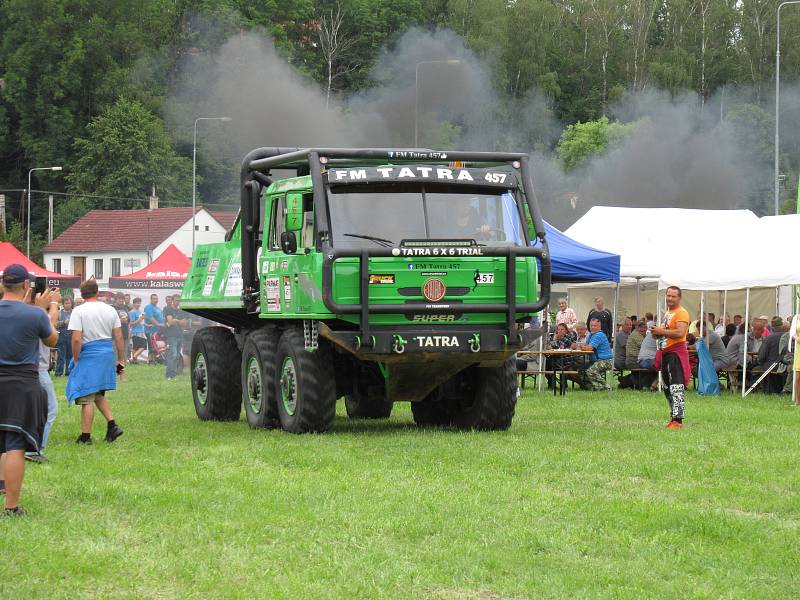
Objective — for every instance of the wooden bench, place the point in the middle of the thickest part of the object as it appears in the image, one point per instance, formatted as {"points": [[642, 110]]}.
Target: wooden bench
{"points": [[524, 374]]}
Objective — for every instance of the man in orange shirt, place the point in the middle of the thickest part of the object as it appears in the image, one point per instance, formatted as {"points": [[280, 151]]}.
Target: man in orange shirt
{"points": [[674, 355]]}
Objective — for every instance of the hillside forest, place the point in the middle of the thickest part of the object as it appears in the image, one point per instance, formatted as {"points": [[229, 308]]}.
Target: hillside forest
{"points": [[620, 102]]}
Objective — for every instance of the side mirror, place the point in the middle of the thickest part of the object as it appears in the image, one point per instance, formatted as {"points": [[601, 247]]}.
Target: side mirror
{"points": [[294, 212], [289, 242]]}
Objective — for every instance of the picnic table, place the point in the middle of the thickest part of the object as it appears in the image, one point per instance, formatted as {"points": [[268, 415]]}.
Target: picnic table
{"points": [[559, 370]]}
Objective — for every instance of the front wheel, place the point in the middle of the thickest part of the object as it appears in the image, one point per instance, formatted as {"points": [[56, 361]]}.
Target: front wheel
{"points": [[305, 385], [360, 406], [258, 378], [491, 405], [216, 387]]}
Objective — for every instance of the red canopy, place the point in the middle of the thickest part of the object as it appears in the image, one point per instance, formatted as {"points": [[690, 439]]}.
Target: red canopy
{"points": [[9, 255], [168, 271]]}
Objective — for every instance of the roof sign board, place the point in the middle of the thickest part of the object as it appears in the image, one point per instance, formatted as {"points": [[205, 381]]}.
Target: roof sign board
{"points": [[422, 174]]}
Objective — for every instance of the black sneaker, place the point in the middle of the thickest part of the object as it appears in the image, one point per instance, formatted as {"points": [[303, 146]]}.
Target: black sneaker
{"points": [[113, 433], [15, 512], [36, 457], [83, 440]]}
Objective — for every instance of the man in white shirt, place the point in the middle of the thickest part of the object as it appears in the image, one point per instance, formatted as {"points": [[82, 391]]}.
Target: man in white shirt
{"points": [[96, 331]]}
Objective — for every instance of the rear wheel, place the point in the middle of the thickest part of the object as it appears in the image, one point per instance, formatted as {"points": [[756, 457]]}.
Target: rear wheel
{"points": [[305, 386], [493, 399], [258, 378], [361, 406], [216, 386], [433, 411]]}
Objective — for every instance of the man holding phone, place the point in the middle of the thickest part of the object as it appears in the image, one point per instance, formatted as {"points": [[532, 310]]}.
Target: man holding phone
{"points": [[23, 402], [96, 332]]}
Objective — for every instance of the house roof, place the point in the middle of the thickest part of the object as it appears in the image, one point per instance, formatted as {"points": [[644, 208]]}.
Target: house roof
{"points": [[10, 255], [132, 230]]}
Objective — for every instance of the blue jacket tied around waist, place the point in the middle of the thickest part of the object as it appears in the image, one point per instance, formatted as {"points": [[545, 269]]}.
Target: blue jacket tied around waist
{"points": [[95, 371]]}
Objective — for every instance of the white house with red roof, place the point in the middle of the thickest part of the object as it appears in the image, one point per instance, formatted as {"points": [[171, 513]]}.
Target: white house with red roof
{"points": [[113, 243]]}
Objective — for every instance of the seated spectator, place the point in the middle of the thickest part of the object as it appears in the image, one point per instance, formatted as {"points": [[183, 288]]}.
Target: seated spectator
{"points": [[602, 359], [730, 330], [758, 334], [648, 318], [735, 348], [717, 350], [632, 347], [646, 360], [581, 333], [563, 340], [691, 340], [566, 315], [620, 341], [768, 355]]}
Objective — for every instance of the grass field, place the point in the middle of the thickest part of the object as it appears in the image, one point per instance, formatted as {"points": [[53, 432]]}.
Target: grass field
{"points": [[585, 496]]}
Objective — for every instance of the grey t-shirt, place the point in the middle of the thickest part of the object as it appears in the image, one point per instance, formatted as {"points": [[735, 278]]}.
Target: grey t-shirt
{"points": [[649, 347], [715, 346]]}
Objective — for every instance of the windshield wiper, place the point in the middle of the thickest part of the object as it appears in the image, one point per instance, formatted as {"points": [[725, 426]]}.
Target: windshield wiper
{"points": [[383, 242]]}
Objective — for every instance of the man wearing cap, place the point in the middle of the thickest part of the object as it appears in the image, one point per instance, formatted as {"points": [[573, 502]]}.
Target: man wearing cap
{"points": [[23, 401]]}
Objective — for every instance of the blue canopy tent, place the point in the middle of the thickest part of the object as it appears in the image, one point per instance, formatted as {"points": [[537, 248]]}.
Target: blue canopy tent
{"points": [[575, 263]]}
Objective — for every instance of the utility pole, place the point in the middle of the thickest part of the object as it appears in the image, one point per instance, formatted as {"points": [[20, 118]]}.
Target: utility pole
{"points": [[49, 218], [2, 214]]}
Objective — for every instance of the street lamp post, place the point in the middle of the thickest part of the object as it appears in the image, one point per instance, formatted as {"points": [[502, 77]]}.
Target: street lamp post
{"points": [[28, 226], [194, 167], [778, 94], [416, 90]]}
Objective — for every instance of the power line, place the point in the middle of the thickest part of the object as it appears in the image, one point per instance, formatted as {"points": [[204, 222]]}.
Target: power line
{"points": [[173, 203]]}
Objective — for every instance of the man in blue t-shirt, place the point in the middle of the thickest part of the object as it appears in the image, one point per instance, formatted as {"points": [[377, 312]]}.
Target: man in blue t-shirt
{"points": [[602, 360], [154, 321], [23, 402], [138, 335]]}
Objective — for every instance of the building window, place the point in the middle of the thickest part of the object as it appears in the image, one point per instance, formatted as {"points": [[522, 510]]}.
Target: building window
{"points": [[56, 265], [98, 268], [197, 227], [115, 267], [208, 228]]}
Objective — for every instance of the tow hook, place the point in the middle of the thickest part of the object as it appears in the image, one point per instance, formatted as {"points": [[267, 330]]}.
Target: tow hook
{"points": [[398, 344], [475, 342]]}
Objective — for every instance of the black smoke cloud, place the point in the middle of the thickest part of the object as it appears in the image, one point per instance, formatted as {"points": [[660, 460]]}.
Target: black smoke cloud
{"points": [[681, 153]]}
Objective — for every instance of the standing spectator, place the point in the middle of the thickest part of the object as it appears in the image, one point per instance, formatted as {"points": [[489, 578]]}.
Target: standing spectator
{"points": [[176, 322], [122, 311], [64, 348], [52, 403], [602, 314], [602, 359], [22, 400], [96, 331], [620, 342], [581, 333], [673, 356], [153, 320], [648, 318], [136, 323], [566, 315], [128, 303]]}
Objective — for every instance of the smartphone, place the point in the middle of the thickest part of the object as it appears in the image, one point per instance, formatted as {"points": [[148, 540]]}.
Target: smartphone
{"points": [[120, 368], [40, 285]]}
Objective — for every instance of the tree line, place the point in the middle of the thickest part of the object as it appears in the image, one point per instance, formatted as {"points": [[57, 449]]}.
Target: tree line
{"points": [[85, 83]]}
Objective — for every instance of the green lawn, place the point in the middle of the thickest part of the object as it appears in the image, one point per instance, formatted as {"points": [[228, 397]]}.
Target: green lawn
{"points": [[585, 496]]}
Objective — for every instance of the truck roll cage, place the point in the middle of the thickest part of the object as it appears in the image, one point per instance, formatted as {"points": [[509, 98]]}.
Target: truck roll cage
{"points": [[255, 174]]}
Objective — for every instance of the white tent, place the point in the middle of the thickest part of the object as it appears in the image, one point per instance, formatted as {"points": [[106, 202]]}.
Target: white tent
{"points": [[647, 239]]}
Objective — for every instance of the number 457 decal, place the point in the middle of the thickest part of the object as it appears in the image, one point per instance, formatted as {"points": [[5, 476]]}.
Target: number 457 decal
{"points": [[495, 177], [484, 278]]}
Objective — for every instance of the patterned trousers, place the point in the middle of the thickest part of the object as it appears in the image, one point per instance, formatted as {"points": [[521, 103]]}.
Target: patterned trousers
{"points": [[674, 385], [596, 374]]}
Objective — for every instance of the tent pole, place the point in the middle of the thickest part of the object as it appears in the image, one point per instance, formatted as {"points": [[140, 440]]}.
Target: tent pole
{"points": [[725, 310], [746, 333], [638, 308], [614, 316], [701, 321]]}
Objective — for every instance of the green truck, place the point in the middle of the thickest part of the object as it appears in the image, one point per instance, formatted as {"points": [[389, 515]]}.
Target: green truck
{"points": [[377, 275]]}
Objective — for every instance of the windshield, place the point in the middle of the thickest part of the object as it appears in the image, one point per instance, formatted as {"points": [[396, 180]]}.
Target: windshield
{"points": [[385, 215]]}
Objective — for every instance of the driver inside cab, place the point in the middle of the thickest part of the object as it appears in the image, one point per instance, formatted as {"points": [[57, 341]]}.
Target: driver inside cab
{"points": [[470, 224]]}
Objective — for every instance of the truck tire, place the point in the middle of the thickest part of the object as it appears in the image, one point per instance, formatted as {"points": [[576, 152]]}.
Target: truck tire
{"points": [[492, 405], [216, 385], [359, 406], [433, 411], [258, 378], [305, 385]]}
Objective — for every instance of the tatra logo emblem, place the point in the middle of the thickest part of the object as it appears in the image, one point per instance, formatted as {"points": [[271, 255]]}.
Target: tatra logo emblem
{"points": [[434, 290]]}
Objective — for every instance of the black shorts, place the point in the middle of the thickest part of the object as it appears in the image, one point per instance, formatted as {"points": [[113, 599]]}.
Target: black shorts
{"points": [[11, 440], [139, 342]]}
